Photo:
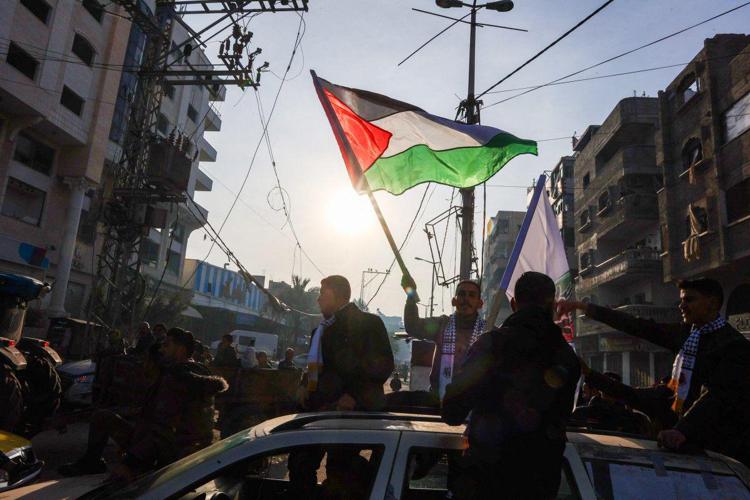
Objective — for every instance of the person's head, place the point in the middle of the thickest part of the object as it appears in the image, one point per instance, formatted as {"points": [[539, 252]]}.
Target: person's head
{"points": [[144, 328], [178, 346], [226, 340], [289, 354], [468, 298], [335, 292], [160, 330], [700, 300], [534, 289], [262, 357]]}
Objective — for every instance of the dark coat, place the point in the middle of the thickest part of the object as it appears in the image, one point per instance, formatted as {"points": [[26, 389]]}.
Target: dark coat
{"points": [[177, 416], [718, 404], [517, 380], [357, 360], [226, 357], [432, 329]]}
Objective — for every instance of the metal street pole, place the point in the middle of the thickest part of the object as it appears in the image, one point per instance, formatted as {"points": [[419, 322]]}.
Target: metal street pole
{"points": [[432, 284], [467, 194]]}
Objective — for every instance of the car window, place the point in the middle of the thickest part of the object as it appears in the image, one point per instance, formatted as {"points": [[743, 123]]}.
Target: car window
{"points": [[325, 471], [623, 480], [431, 472]]}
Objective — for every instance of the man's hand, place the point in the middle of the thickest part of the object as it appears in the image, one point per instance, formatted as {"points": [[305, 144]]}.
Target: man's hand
{"points": [[564, 307], [408, 284], [121, 472], [346, 403], [671, 439]]}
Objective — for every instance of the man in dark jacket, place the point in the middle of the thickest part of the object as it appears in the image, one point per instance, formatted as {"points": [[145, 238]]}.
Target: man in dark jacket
{"points": [[176, 418], [226, 354], [354, 354], [452, 334], [518, 383], [711, 373], [349, 361]]}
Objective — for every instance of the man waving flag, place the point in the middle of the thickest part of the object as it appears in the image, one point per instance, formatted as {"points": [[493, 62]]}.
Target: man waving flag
{"points": [[393, 146]]}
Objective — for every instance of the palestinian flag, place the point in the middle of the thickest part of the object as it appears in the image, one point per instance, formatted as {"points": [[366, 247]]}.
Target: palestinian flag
{"points": [[393, 146]]}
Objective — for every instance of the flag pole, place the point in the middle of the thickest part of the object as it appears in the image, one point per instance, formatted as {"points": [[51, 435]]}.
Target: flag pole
{"points": [[362, 181]]}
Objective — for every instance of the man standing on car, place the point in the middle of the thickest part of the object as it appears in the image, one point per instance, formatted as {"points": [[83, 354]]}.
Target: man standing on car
{"points": [[517, 383], [288, 362], [349, 361], [226, 354], [711, 372], [176, 419], [452, 334]]}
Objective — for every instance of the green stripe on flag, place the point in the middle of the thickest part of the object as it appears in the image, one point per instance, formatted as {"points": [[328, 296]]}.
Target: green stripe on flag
{"points": [[460, 167]]}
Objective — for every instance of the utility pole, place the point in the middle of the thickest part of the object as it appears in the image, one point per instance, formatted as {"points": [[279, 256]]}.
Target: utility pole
{"points": [[470, 109], [432, 284], [154, 171], [363, 285]]}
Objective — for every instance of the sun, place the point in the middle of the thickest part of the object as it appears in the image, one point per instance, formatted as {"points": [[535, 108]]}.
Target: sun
{"points": [[349, 213]]}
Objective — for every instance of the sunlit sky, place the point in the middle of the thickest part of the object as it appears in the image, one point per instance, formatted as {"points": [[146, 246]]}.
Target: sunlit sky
{"points": [[358, 43]]}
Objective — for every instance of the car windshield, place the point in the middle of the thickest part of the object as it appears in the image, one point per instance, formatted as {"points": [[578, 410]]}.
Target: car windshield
{"points": [[162, 476]]}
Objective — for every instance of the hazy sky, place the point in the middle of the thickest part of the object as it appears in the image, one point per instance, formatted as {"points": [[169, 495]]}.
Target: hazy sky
{"points": [[358, 43]]}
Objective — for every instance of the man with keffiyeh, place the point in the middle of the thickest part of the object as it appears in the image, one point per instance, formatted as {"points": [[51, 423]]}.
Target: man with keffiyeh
{"points": [[711, 372], [452, 334]]}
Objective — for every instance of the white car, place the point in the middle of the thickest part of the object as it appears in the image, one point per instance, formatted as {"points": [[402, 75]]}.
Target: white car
{"points": [[394, 449]]}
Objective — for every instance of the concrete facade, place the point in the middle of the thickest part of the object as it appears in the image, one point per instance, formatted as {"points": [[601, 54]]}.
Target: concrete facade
{"points": [[561, 191], [498, 247], [703, 151], [618, 240], [57, 93]]}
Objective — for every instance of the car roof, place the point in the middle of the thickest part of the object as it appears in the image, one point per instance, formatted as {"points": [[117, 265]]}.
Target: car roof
{"points": [[591, 445]]}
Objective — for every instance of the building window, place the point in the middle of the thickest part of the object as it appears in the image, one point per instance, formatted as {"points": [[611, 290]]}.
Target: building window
{"points": [[94, 8], [150, 252], [604, 203], [177, 232], [39, 8], [23, 202], [34, 154], [71, 100], [192, 113], [692, 153], [83, 49], [696, 221], [737, 118], [584, 220], [738, 201], [169, 90], [173, 264], [162, 124], [503, 226], [689, 88], [585, 260], [586, 180], [22, 61]]}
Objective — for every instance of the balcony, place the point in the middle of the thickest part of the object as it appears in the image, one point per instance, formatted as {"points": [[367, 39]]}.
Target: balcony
{"points": [[213, 119], [207, 151], [621, 269], [630, 214], [217, 93], [660, 314], [202, 181]]}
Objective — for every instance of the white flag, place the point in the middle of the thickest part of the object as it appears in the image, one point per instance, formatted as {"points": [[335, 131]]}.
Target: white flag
{"points": [[539, 247]]}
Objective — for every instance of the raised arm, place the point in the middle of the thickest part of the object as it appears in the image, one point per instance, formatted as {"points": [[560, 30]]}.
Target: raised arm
{"points": [[668, 335]]}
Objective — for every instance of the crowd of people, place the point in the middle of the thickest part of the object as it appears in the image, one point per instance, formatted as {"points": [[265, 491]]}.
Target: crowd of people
{"points": [[515, 386]]}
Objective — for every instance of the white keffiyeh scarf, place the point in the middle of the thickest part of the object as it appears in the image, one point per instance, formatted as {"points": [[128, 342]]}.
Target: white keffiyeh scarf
{"points": [[684, 362], [315, 356], [448, 351]]}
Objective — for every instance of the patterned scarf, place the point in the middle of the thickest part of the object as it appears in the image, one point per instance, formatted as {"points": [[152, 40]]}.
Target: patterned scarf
{"points": [[448, 352], [684, 362], [315, 356]]}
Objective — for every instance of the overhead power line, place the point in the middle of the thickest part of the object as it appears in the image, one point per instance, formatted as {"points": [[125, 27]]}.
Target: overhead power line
{"points": [[618, 56], [545, 49]]}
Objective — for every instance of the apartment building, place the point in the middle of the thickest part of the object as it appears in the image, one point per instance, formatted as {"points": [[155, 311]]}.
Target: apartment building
{"points": [[187, 112], [703, 151], [560, 188], [504, 230], [59, 77], [618, 239]]}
